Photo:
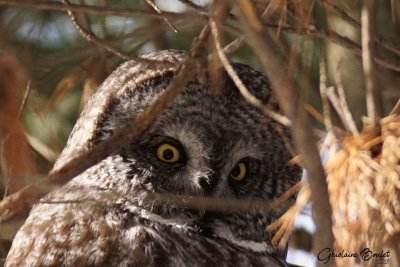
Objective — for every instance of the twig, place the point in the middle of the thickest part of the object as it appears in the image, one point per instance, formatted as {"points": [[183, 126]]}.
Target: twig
{"points": [[325, 104], [42, 149], [313, 112], [91, 37], [334, 99], [219, 11], [275, 65], [234, 45], [114, 11], [289, 146], [388, 46], [342, 14], [155, 7], [200, 203], [338, 39], [345, 111], [24, 100], [374, 109], [193, 5], [239, 84], [396, 109], [84, 17], [394, 7]]}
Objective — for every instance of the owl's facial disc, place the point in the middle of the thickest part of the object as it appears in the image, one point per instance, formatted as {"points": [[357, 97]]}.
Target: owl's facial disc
{"points": [[179, 160]]}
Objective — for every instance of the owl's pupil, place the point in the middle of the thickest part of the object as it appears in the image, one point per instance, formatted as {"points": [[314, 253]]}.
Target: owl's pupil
{"points": [[168, 154], [235, 171]]}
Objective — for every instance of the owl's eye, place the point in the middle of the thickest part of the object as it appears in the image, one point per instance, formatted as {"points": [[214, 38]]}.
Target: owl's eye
{"points": [[238, 173], [168, 153]]}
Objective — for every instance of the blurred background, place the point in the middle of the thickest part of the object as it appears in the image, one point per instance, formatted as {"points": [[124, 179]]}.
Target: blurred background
{"points": [[49, 67]]}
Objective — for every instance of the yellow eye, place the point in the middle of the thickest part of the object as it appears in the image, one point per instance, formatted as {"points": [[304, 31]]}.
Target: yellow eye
{"points": [[168, 153], [238, 172]]}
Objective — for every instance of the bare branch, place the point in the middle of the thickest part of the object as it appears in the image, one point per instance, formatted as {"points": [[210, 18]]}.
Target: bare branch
{"points": [[234, 45], [25, 98], [345, 113], [275, 65], [374, 109], [342, 14], [346, 17], [218, 15], [155, 7], [338, 39], [334, 99], [396, 109], [239, 84], [325, 103], [91, 37], [101, 10]]}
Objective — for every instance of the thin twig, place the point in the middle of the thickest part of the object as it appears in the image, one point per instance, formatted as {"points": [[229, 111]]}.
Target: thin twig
{"points": [[396, 109], [325, 104], [289, 146], [338, 39], [114, 11], [239, 84], [218, 15], [274, 63], [234, 45], [313, 112], [91, 37], [388, 46], [200, 203], [394, 7], [374, 109], [155, 7], [193, 5], [84, 17], [348, 118], [342, 14], [24, 100], [334, 99]]}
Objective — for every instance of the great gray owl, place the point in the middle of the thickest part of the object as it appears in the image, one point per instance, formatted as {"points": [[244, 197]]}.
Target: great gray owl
{"points": [[203, 144]]}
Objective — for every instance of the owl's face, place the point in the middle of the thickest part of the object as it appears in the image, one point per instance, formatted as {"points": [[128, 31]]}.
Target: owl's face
{"points": [[204, 144]]}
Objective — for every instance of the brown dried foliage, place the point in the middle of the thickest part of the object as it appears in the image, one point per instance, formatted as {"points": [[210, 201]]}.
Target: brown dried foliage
{"points": [[15, 158], [363, 175]]}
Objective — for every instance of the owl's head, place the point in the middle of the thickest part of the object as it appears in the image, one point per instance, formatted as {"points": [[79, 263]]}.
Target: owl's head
{"points": [[203, 144]]}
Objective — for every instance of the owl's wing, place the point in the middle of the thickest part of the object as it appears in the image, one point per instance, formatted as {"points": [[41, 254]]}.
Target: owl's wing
{"points": [[68, 229]]}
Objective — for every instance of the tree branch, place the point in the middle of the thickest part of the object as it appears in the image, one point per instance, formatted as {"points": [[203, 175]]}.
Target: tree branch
{"points": [[275, 65], [374, 109], [101, 10]]}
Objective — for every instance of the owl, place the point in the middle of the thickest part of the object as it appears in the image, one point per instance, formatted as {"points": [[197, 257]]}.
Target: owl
{"points": [[204, 144]]}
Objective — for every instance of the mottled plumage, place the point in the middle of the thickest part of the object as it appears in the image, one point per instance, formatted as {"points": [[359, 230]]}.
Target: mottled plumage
{"points": [[202, 145]]}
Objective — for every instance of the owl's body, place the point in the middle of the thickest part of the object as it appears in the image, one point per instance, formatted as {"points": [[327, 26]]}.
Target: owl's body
{"points": [[203, 144]]}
